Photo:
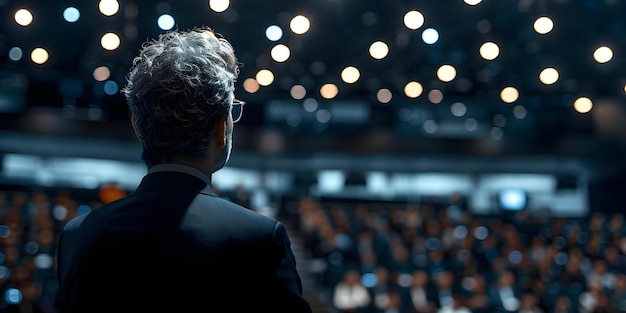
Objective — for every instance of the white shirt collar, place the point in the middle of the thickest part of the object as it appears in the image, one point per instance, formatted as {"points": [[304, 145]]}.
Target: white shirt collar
{"points": [[175, 167]]}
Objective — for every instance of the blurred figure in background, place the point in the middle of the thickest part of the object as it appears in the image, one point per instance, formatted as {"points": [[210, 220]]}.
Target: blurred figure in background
{"points": [[589, 299], [350, 296], [458, 305], [505, 294], [445, 290], [379, 292], [563, 304], [616, 298], [478, 297], [422, 293], [173, 244], [530, 303], [601, 275]]}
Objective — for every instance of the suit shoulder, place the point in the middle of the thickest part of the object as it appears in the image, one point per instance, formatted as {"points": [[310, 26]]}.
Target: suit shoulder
{"points": [[247, 213], [74, 223]]}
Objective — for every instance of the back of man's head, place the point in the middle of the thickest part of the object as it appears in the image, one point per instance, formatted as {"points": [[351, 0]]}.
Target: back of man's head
{"points": [[179, 86]]}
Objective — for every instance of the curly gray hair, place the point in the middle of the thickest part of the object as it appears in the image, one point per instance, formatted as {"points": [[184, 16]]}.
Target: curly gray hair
{"points": [[178, 87]]}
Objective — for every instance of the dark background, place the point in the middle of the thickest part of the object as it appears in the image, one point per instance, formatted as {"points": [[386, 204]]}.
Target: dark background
{"points": [[552, 138]]}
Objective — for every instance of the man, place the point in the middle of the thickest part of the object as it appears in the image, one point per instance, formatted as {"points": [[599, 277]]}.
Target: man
{"points": [[173, 245]]}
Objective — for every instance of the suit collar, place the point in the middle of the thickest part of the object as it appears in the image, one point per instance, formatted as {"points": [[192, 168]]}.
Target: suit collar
{"points": [[164, 180]]}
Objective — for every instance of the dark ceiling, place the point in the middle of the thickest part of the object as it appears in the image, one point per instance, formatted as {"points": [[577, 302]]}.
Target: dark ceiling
{"points": [[36, 98]]}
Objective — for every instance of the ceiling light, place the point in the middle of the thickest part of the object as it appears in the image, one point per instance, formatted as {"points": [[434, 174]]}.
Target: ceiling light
{"points": [[446, 73], [489, 51], [603, 54], [219, 5], [280, 53], [413, 20], [378, 50], [23, 17], [350, 74], [583, 105], [543, 25], [300, 24], [413, 89], [549, 76], [39, 55], [108, 7]]}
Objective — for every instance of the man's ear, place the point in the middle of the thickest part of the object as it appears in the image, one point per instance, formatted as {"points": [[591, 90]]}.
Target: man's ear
{"points": [[220, 131], [133, 121]]}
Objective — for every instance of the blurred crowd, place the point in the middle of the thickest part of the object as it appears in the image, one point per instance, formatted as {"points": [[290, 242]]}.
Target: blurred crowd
{"points": [[377, 256], [30, 221], [439, 258]]}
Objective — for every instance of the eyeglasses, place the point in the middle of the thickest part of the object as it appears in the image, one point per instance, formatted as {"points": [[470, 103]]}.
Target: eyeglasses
{"points": [[237, 110]]}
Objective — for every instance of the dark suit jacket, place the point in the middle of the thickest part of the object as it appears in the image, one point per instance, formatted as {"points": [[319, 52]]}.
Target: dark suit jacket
{"points": [[174, 246]]}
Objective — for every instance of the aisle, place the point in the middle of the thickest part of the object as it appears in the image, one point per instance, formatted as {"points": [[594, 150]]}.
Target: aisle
{"points": [[306, 268]]}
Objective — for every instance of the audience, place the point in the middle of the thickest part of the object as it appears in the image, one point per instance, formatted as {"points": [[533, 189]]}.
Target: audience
{"points": [[380, 257], [459, 262], [30, 222]]}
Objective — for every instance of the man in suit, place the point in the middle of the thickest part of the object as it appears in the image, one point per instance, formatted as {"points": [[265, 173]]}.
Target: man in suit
{"points": [[173, 245]]}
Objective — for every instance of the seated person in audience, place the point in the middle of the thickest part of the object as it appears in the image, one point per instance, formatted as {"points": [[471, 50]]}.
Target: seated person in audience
{"points": [[563, 304], [530, 303], [350, 296], [422, 293], [616, 296], [600, 274], [505, 294], [458, 305], [477, 295], [393, 304], [445, 288], [588, 300], [379, 293]]}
